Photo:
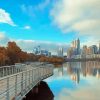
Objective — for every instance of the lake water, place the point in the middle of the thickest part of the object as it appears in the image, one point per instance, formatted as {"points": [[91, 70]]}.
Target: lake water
{"points": [[76, 81]]}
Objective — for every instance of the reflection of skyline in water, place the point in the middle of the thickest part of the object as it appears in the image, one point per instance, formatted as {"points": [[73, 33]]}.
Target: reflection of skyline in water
{"points": [[76, 81], [75, 69]]}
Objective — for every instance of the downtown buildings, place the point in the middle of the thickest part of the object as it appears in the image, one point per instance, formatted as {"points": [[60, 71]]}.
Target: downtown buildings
{"points": [[38, 51], [75, 51]]}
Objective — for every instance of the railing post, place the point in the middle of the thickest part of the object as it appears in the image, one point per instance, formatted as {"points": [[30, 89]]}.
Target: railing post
{"points": [[25, 79], [32, 76], [6, 71], [14, 69], [7, 95], [3, 72], [29, 77], [0, 73], [15, 86], [38, 74], [21, 82], [35, 74]]}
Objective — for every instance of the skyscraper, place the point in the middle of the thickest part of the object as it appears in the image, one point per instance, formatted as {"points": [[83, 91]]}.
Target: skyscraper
{"points": [[69, 52], [99, 48], [93, 49], [60, 52], [76, 46], [84, 50]]}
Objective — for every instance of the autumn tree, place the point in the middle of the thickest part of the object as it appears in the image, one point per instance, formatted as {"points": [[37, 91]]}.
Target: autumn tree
{"points": [[42, 59], [4, 59], [13, 52], [23, 56], [51, 59]]}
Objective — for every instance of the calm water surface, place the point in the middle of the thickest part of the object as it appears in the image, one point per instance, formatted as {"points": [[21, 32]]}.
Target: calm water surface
{"points": [[76, 81]]}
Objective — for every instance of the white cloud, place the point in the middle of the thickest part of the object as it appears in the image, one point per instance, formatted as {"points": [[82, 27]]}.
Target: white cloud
{"points": [[28, 45], [89, 92], [91, 41], [27, 27], [82, 16], [3, 39], [5, 17]]}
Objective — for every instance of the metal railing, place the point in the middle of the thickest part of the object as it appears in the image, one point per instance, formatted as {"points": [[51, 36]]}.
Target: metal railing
{"points": [[14, 87], [8, 70]]}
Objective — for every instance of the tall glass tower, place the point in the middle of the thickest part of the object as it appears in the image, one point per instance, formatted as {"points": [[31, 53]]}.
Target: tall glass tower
{"points": [[78, 46], [99, 48]]}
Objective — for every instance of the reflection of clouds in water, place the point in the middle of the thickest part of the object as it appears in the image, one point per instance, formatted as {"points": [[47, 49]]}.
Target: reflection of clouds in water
{"points": [[60, 78], [91, 92], [64, 88]]}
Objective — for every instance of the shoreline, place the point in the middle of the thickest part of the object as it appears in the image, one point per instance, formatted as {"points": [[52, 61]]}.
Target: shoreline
{"points": [[79, 60]]}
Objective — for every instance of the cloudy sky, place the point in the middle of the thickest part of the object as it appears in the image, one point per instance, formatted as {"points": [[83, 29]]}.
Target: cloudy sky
{"points": [[50, 23]]}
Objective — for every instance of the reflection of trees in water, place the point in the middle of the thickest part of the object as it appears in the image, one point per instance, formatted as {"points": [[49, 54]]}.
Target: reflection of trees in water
{"points": [[44, 93], [86, 68]]}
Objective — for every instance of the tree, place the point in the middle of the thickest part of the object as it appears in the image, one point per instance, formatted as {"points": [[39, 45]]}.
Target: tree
{"points": [[23, 56], [13, 52], [4, 59]]}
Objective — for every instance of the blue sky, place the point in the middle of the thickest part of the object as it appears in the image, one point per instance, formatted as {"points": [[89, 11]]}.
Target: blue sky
{"points": [[56, 21], [27, 13]]}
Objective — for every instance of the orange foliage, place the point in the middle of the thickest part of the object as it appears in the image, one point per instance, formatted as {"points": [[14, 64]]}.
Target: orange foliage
{"points": [[3, 56], [51, 59], [13, 54]]}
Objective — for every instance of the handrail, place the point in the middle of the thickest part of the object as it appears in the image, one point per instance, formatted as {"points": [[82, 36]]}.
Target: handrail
{"points": [[21, 72]]}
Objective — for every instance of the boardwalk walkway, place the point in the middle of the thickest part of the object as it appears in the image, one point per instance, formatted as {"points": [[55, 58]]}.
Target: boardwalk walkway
{"points": [[20, 80]]}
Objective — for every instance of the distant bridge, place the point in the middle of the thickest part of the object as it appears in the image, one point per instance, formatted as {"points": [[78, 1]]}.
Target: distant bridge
{"points": [[17, 80]]}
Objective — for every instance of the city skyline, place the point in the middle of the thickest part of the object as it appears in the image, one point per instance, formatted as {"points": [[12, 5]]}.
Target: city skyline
{"points": [[77, 51], [41, 22]]}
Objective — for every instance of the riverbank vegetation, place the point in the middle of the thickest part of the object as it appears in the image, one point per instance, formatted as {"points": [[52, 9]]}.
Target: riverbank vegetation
{"points": [[13, 54], [54, 60]]}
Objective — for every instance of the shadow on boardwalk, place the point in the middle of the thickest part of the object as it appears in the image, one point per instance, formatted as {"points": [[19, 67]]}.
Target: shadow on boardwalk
{"points": [[44, 93]]}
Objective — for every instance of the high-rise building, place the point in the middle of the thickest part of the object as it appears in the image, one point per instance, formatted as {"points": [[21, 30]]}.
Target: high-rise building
{"points": [[76, 46], [99, 49], [35, 50], [84, 50], [69, 52], [60, 52], [95, 49], [92, 49]]}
